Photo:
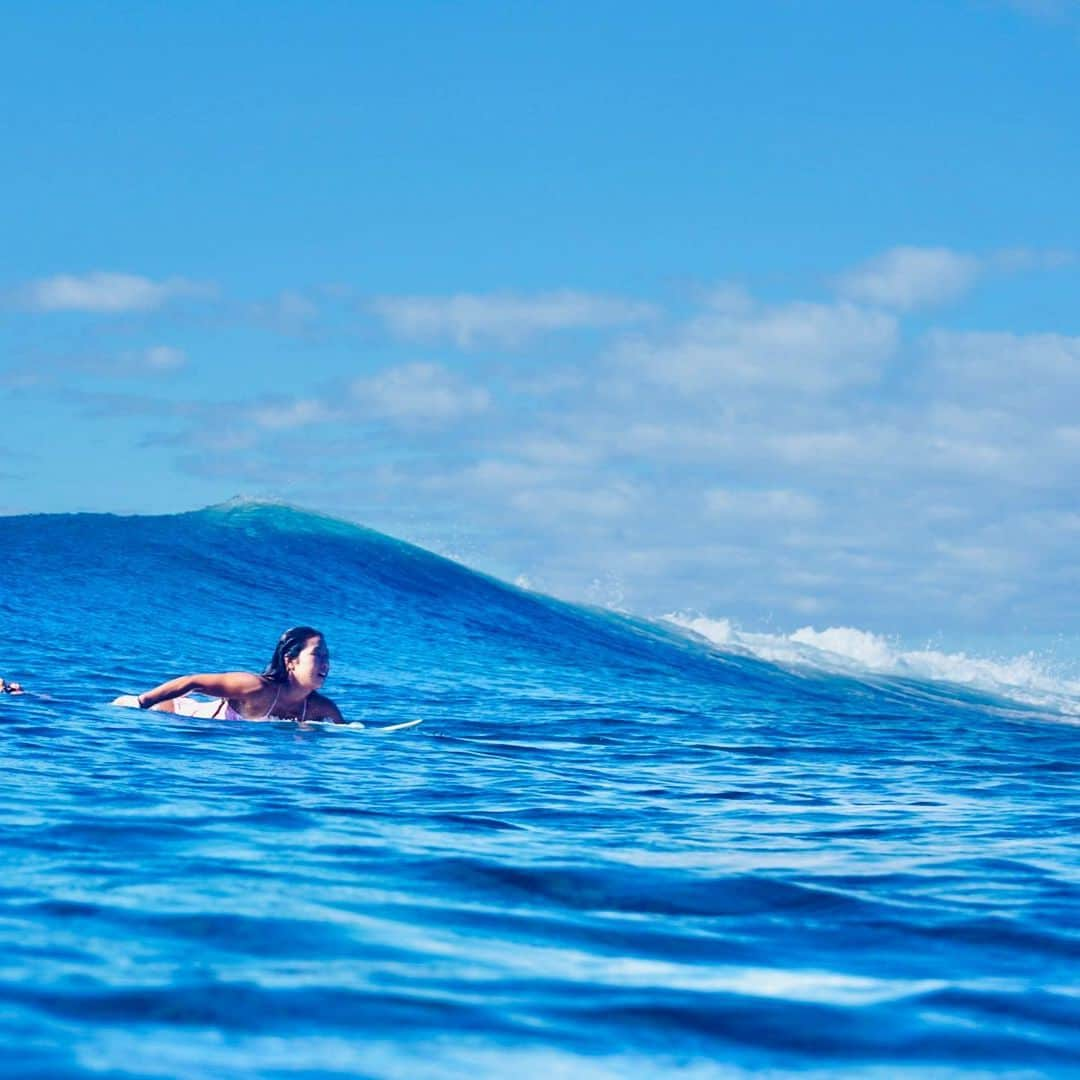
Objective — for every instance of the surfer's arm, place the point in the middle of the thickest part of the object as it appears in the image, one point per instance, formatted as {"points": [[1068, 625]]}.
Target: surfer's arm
{"points": [[225, 684], [322, 708]]}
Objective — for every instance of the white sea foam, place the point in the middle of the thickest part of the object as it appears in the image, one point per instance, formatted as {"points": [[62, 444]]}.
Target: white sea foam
{"points": [[1027, 678]]}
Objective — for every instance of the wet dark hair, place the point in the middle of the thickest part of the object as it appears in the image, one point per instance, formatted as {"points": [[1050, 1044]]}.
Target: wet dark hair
{"points": [[289, 646]]}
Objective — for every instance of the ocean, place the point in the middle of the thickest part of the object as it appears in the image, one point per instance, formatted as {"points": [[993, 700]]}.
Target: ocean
{"points": [[615, 847]]}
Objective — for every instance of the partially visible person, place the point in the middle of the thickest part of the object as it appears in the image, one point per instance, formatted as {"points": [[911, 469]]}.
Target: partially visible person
{"points": [[11, 687], [287, 690]]}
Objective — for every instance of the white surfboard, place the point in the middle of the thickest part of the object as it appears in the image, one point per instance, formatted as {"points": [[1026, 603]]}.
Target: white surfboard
{"points": [[399, 727], [356, 725], [130, 701]]}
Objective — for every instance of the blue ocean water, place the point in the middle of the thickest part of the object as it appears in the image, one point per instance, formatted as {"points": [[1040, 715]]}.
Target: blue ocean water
{"points": [[613, 848]]}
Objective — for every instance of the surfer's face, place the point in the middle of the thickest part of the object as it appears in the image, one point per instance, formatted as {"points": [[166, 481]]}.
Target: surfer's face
{"points": [[311, 664]]}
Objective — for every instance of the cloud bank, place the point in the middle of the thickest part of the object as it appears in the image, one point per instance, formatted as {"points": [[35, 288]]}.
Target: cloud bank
{"points": [[758, 458]]}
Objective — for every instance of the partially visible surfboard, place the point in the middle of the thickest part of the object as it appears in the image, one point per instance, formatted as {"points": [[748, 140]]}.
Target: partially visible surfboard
{"points": [[356, 725], [130, 701], [398, 727]]}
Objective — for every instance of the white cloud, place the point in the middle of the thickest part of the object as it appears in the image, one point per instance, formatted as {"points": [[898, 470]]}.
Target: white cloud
{"points": [[289, 312], [910, 278], [105, 293], [471, 320], [799, 347], [833, 449], [777, 505], [730, 298], [550, 382], [906, 278], [546, 450], [1039, 373], [996, 561], [164, 358], [502, 476], [292, 414], [419, 393], [565, 504]]}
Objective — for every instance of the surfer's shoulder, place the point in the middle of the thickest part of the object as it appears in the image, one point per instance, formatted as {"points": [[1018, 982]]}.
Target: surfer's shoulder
{"points": [[320, 707]]}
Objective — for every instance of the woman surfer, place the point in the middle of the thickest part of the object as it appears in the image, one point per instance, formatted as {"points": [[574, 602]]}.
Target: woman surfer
{"points": [[287, 690]]}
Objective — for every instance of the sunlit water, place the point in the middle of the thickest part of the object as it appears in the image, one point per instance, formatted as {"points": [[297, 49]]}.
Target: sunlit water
{"points": [[611, 849]]}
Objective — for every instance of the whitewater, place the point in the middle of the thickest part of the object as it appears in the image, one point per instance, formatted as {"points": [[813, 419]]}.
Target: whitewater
{"points": [[615, 847]]}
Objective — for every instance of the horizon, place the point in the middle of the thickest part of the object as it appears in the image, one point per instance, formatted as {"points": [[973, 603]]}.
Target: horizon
{"points": [[763, 315]]}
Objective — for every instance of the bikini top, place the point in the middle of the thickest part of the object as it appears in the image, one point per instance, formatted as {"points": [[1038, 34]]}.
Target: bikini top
{"points": [[232, 714]]}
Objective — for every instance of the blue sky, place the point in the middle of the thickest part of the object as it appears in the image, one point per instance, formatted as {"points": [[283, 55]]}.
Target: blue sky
{"points": [[762, 311]]}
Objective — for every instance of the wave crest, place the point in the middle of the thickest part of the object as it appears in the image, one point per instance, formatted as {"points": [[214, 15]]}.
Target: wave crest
{"points": [[1027, 679]]}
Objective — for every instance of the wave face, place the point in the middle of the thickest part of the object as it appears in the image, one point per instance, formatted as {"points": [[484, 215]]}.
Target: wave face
{"points": [[613, 848]]}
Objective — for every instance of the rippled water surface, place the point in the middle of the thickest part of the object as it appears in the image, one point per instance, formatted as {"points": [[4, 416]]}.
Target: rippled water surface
{"points": [[609, 850]]}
